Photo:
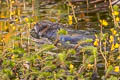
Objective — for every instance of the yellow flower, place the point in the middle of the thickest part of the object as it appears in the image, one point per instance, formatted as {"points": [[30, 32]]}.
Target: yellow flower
{"points": [[71, 67], [117, 19], [114, 32], [70, 22], [16, 19], [12, 2], [55, 74], [13, 56], [118, 57], [90, 66], [2, 15], [34, 22], [116, 69], [111, 39], [96, 42], [104, 22], [13, 28], [116, 13], [116, 45], [104, 43], [6, 27], [112, 47], [11, 13], [19, 12], [111, 29], [70, 19], [118, 38], [2, 40], [26, 19]]}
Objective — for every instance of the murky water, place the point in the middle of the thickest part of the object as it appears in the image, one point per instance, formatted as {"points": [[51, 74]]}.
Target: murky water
{"points": [[55, 11], [59, 11]]}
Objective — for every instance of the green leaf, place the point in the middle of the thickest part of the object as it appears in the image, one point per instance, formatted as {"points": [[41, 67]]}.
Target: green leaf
{"points": [[112, 78], [62, 56], [70, 77], [88, 40], [60, 73], [48, 47], [12, 64], [8, 72], [90, 59], [45, 74], [62, 32], [115, 7], [92, 49], [110, 68], [104, 36], [31, 20], [71, 51], [18, 50], [16, 37]]}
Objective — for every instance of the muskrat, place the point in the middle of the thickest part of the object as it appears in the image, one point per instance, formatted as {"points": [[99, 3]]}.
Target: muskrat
{"points": [[47, 29]]}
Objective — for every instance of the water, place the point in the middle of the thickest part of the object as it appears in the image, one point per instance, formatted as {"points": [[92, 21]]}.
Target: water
{"points": [[56, 11]]}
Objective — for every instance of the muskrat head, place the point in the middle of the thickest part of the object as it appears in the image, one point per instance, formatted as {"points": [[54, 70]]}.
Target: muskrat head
{"points": [[41, 26], [40, 29]]}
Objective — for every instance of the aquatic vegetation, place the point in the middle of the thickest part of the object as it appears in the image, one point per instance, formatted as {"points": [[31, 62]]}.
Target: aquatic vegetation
{"points": [[88, 59], [116, 13], [70, 19], [104, 22]]}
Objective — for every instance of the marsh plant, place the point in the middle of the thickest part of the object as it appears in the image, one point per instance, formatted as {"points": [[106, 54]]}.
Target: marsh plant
{"points": [[23, 59]]}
